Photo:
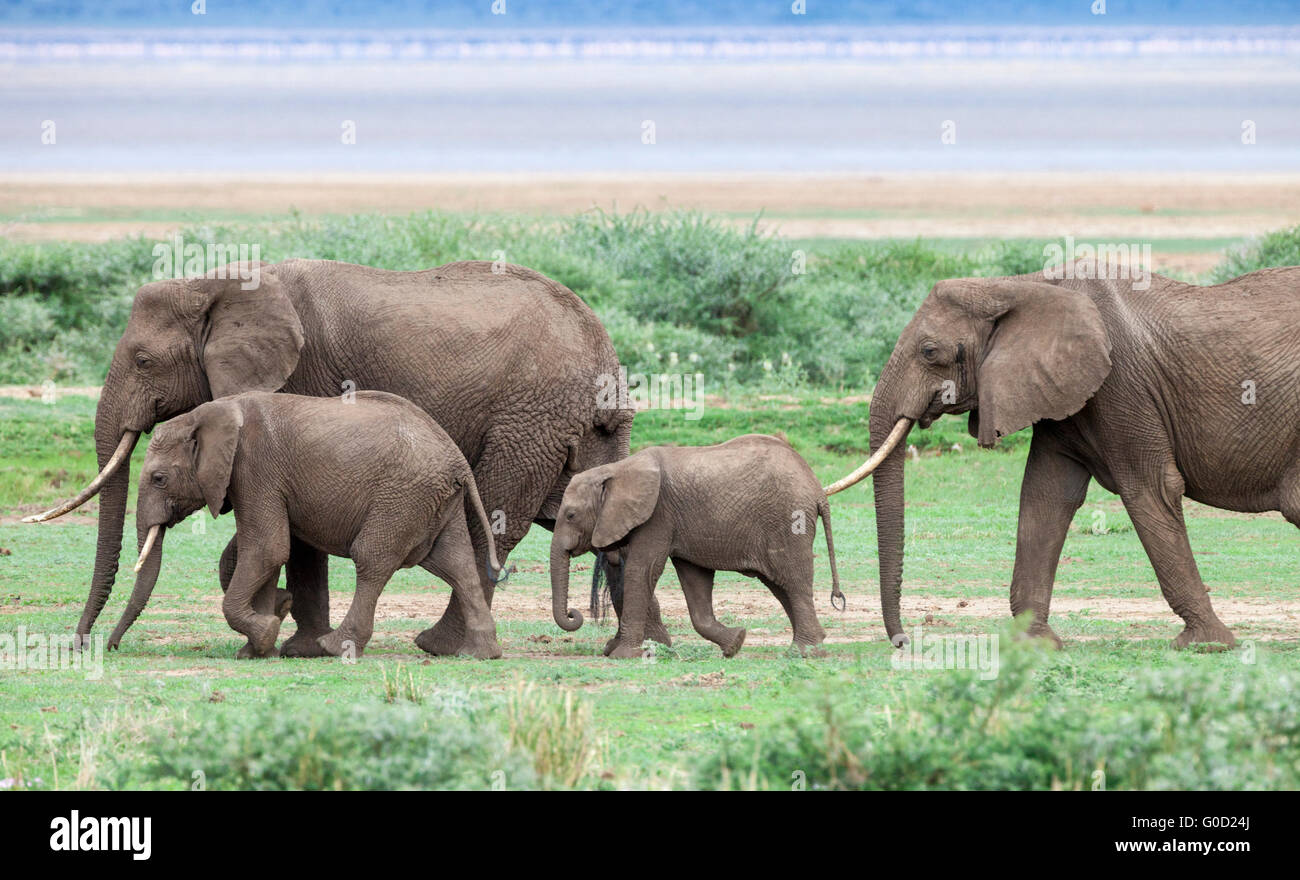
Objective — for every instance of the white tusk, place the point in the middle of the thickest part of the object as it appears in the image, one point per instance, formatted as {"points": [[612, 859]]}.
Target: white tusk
{"points": [[900, 431], [148, 546], [121, 454]]}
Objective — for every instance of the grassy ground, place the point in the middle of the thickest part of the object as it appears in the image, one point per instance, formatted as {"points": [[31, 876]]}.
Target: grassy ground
{"points": [[1117, 708]]}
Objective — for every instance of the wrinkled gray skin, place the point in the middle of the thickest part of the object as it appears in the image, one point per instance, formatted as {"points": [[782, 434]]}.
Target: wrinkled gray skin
{"points": [[373, 479], [748, 505], [1141, 390], [506, 362]]}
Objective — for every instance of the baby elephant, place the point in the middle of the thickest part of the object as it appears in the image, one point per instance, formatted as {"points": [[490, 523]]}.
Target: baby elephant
{"points": [[372, 478], [748, 505]]}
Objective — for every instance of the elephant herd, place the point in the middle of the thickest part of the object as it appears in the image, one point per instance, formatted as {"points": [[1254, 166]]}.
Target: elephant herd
{"points": [[481, 416]]}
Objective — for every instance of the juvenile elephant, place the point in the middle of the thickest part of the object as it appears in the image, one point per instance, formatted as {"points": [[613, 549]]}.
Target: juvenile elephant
{"points": [[748, 505], [505, 360], [1157, 392], [373, 478]]}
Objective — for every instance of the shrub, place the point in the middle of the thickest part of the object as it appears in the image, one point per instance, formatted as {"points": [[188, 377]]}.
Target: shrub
{"points": [[364, 746]]}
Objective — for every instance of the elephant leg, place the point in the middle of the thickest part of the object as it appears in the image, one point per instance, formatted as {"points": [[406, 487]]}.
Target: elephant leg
{"points": [[279, 605], [455, 560], [353, 634], [697, 585], [511, 499], [1054, 488], [258, 571], [1157, 515], [640, 574], [307, 576], [799, 607], [655, 630]]}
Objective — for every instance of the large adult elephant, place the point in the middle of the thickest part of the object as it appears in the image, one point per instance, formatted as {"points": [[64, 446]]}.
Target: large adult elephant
{"points": [[507, 361], [1156, 392]]}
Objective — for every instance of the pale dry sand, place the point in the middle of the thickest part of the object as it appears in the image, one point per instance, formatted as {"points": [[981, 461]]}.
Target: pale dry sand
{"points": [[1129, 207]]}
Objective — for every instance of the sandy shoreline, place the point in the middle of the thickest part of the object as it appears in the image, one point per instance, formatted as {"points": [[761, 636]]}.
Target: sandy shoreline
{"points": [[1138, 207]]}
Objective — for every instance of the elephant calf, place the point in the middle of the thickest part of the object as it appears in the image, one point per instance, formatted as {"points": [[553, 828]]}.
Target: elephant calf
{"points": [[748, 505], [372, 478]]}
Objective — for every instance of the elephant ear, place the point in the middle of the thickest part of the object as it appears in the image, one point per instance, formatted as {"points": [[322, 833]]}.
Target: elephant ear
{"points": [[216, 439], [1047, 355], [252, 338], [630, 496]]}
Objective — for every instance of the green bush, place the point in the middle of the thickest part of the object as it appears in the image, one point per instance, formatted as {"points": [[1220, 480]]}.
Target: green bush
{"points": [[1280, 248], [367, 746], [1181, 728], [740, 306]]}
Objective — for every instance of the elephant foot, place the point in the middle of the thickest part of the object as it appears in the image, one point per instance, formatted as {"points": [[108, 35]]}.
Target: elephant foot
{"points": [[1043, 631], [261, 633], [304, 643], [248, 652], [655, 631], [732, 642], [625, 650], [610, 646], [337, 644], [480, 645], [1213, 635], [440, 641], [807, 650]]}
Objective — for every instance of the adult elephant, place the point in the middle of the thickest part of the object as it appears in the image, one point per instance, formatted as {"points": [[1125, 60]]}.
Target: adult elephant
{"points": [[507, 361], [1157, 392]]}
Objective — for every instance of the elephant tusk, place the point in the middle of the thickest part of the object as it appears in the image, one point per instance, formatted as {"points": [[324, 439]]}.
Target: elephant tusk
{"points": [[148, 546], [121, 454], [900, 431]]}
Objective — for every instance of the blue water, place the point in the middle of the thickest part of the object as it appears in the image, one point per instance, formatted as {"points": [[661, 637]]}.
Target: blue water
{"points": [[448, 92]]}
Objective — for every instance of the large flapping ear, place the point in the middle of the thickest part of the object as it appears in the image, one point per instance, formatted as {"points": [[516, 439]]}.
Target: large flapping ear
{"points": [[630, 496], [252, 337], [216, 439], [1047, 355]]}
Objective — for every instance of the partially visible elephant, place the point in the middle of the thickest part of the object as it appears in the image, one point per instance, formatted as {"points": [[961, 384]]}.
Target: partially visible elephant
{"points": [[507, 361], [748, 505], [1160, 393], [371, 478]]}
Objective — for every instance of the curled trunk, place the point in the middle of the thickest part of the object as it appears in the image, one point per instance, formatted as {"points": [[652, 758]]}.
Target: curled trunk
{"points": [[566, 618], [145, 580]]}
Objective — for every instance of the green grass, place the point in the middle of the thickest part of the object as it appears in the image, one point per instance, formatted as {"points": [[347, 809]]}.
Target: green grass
{"points": [[173, 702]]}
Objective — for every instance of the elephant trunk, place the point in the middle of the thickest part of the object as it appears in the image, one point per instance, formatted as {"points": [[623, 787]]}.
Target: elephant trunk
{"points": [[888, 486], [145, 579], [109, 443], [566, 618]]}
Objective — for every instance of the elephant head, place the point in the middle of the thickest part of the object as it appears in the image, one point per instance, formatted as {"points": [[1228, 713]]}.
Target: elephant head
{"points": [[600, 507], [186, 341], [1010, 351], [187, 467]]}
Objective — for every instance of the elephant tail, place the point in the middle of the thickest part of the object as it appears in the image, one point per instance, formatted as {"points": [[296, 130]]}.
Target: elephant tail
{"points": [[495, 572], [824, 511]]}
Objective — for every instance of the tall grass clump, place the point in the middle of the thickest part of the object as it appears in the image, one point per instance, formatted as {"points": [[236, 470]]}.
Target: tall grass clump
{"points": [[555, 728]]}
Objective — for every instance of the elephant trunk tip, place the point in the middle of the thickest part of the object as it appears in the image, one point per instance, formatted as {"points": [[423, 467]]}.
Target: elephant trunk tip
{"points": [[571, 621], [899, 640]]}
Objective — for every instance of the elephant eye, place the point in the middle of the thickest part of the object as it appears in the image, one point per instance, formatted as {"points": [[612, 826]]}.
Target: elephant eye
{"points": [[569, 515], [929, 352], [159, 479], [142, 361]]}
